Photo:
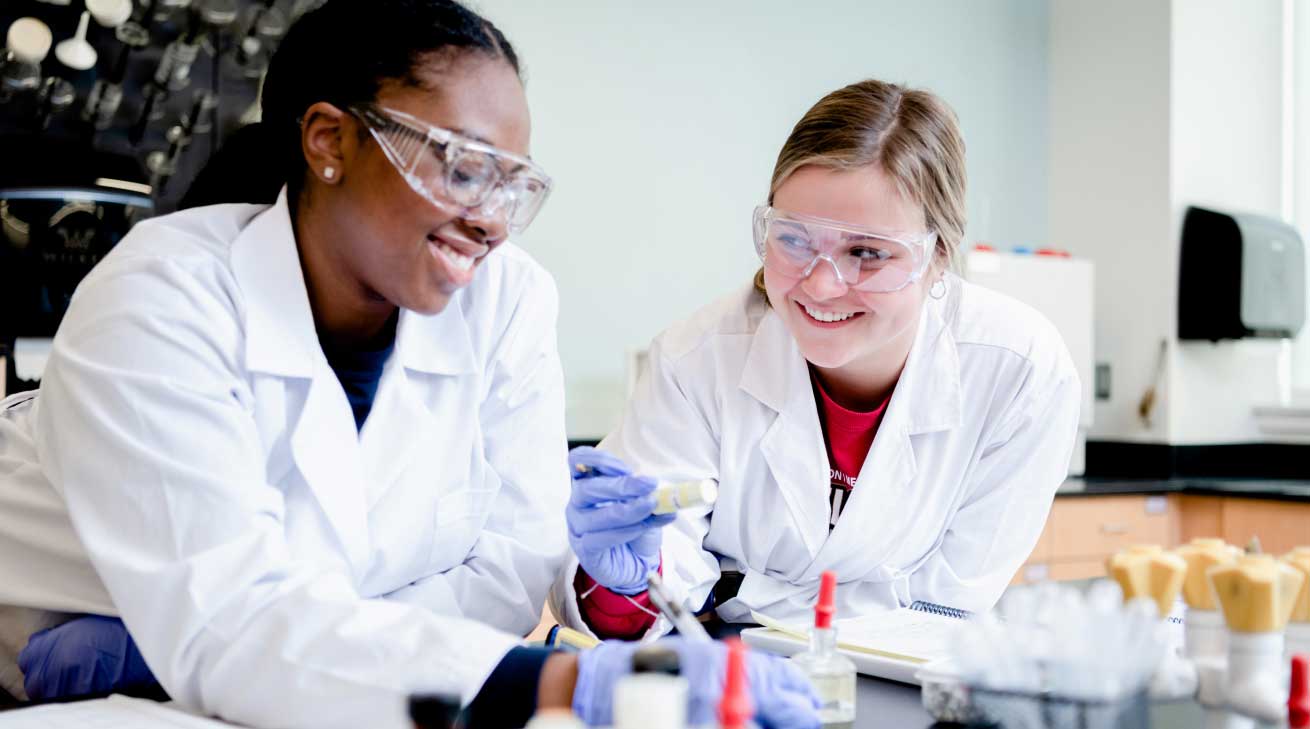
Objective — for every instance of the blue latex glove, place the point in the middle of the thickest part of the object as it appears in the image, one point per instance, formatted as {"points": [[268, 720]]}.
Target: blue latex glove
{"points": [[611, 525], [782, 696], [85, 656]]}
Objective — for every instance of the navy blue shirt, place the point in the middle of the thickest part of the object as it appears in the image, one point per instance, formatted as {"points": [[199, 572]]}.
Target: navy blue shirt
{"points": [[509, 696], [359, 372]]}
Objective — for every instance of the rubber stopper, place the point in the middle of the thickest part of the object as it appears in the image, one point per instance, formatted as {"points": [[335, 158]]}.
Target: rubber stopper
{"points": [[827, 591], [1298, 699], [735, 706]]}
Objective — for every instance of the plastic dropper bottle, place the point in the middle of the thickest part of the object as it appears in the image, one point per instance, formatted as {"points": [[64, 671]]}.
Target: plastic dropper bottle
{"points": [[654, 695], [831, 673], [735, 709]]}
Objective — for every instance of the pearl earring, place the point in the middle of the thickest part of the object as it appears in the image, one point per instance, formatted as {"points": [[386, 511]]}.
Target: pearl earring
{"points": [[329, 172]]}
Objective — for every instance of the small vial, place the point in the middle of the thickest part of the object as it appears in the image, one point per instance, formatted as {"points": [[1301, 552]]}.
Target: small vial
{"points": [[831, 673], [102, 105], [654, 695], [671, 497]]}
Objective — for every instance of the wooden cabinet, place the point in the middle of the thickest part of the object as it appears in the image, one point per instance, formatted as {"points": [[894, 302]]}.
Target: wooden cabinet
{"points": [[1280, 525], [1082, 531], [1096, 527]]}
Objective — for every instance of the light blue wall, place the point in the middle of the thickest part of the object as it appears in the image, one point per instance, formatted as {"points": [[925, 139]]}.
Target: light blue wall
{"points": [[660, 122]]}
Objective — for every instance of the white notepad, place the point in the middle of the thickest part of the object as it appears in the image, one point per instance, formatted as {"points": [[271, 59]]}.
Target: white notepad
{"points": [[892, 644], [115, 712]]}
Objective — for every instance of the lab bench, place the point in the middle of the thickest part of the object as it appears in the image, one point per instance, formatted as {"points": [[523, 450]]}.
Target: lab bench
{"points": [[1092, 519]]}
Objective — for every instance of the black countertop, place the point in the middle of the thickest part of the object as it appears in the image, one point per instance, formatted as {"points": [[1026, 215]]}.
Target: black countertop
{"points": [[1274, 489]]}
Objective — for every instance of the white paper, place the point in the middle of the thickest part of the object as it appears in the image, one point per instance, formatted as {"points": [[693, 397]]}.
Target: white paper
{"points": [[115, 712], [912, 634], [904, 632]]}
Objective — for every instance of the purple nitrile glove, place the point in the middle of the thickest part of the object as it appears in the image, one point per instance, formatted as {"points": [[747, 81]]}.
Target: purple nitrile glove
{"points": [[86, 656], [782, 696], [612, 527]]}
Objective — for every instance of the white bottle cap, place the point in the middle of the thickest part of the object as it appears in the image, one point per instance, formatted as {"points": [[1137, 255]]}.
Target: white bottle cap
{"points": [[75, 52], [110, 13], [29, 40], [554, 719]]}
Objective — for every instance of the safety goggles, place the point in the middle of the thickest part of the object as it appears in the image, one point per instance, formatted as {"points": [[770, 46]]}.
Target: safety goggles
{"points": [[792, 245], [444, 167]]}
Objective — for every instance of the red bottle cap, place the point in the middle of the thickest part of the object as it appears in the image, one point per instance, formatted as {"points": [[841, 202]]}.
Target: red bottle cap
{"points": [[1054, 252], [735, 706], [1298, 699], [984, 248], [824, 610]]}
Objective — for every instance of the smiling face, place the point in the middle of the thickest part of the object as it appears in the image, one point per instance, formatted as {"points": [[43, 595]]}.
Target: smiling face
{"points": [[400, 247], [836, 327]]}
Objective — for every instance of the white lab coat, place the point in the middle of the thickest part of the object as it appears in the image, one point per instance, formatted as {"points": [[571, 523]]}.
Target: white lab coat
{"points": [[192, 464], [952, 496]]}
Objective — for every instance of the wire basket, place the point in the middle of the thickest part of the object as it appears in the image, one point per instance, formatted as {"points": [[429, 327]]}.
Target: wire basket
{"points": [[1009, 710]]}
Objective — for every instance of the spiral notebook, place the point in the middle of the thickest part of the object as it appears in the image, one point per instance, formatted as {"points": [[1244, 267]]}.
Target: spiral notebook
{"points": [[893, 644]]}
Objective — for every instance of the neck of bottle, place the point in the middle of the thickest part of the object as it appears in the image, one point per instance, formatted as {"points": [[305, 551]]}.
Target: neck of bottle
{"points": [[823, 640]]}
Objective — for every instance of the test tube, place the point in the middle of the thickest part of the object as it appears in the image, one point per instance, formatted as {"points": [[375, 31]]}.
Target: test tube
{"points": [[56, 96], [671, 497], [264, 27]]}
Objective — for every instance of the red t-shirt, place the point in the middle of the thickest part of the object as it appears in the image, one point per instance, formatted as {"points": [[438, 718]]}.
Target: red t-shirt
{"points": [[848, 435]]}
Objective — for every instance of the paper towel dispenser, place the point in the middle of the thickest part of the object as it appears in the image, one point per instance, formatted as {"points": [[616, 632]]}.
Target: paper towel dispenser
{"points": [[1240, 275]]}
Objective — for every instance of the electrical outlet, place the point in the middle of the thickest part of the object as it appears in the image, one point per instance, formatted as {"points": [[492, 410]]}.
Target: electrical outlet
{"points": [[1102, 380]]}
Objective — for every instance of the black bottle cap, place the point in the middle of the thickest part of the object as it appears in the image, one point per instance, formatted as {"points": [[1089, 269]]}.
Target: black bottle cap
{"points": [[656, 659], [434, 711]]}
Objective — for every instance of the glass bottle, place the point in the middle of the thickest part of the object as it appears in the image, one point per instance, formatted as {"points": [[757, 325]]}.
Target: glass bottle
{"points": [[831, 673]]}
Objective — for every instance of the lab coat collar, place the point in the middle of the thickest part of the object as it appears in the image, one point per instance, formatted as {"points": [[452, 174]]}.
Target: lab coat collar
{"points": [[932, 371], [280, 334], [774, 364], [928, 392], [777, 375], [439, 344]]}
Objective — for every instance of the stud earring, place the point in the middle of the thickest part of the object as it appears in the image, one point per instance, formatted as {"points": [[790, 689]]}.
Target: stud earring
{"points": [[329, 173]]}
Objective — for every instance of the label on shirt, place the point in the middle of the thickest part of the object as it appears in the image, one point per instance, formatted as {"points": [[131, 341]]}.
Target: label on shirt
{"points": [[840, 493]]}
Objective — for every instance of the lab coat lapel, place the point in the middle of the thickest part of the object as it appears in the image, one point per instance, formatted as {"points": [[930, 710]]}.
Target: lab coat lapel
{"points": [[281, 342], [430, 352], [777, 375], [926, 399]]}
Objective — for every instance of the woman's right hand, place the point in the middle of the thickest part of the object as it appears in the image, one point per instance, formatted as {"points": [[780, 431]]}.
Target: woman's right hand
{"points": [[612, 526]]}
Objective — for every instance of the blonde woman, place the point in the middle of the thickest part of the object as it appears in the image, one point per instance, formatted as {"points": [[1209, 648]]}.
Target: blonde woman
{"points": [[862, 408]]}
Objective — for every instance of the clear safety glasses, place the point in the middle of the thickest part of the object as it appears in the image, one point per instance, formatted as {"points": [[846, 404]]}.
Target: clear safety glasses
{"points": [[791, 244], [444, 167]]}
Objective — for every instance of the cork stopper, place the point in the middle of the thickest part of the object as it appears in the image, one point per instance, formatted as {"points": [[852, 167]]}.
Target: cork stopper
{"points": [[1300, 559], [1200, 555], [1146, 570], [1257, 593]]}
